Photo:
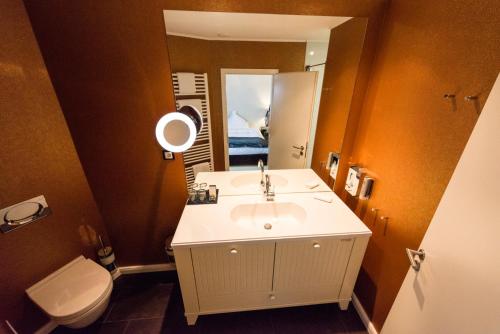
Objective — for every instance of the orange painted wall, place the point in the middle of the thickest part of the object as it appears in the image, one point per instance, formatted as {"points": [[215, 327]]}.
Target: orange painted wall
{"points": [[109, 65], [342, 69], [196, 55], [37, 156], [410, 137]]}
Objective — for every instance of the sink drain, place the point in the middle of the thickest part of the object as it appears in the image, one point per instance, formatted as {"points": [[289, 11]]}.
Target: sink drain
{"points": [[268, 226]]}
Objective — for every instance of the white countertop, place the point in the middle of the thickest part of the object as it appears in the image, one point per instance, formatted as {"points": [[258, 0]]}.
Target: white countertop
{"points": [[216, 223], [248, 182]]}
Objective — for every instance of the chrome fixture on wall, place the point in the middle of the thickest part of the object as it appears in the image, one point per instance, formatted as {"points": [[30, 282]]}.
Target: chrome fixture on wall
{"points": [[23, 213], [176, 131], [415, 257]]}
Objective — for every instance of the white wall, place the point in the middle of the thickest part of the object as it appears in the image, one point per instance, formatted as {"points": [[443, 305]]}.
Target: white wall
{"points": [[249, 95], [319, 50]]}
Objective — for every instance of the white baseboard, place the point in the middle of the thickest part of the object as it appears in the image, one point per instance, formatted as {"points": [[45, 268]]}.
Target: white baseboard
{"points": [[10, 327], [117, 273], [47, 328], [362, 314], [148, 268]]}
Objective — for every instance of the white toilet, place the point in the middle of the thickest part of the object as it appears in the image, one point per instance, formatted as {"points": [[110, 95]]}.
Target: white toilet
{"points": [[75, 295]]}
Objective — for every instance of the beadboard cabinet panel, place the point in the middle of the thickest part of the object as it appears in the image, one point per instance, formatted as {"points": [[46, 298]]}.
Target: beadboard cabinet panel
{"points": [[233, 276], [310, 270]]}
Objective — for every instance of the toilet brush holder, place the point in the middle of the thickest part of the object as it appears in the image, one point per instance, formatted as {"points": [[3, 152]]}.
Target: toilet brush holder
{"points": [[107, 258]]}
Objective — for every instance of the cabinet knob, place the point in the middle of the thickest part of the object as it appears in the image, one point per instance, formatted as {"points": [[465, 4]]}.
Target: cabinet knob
{"points": [[233, 251], [316, 245], [272, 297]]}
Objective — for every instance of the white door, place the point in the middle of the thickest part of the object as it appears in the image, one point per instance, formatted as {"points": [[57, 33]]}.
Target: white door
{"points": [[291, 107], [457, 289]]}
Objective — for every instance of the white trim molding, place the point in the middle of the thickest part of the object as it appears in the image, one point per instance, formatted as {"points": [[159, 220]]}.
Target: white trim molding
{"points": [[47, 328], [363, 315], [10, 327], [148, 268]]}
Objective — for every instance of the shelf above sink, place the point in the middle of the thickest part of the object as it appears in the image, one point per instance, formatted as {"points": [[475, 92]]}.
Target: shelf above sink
{"points": [[248, 182], [252, 180]]}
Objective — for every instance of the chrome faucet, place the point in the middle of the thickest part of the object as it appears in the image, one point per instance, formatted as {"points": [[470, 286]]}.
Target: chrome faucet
{"points": [[268, 192], [260, 165]]}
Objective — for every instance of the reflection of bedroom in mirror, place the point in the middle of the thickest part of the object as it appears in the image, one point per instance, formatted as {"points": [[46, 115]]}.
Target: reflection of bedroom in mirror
{"points": [[258, 81], [246, 104]]}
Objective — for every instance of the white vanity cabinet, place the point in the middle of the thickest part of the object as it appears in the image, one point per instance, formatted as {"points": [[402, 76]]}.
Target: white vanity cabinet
{"points": [[228, 277], [247, 253]]}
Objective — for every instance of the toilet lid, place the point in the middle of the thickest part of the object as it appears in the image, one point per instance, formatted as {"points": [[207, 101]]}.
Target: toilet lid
{"points": [[71, 290]]}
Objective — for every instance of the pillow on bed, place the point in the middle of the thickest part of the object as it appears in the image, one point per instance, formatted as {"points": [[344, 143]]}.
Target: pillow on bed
{"points": [[236, 121], [244, 133]]}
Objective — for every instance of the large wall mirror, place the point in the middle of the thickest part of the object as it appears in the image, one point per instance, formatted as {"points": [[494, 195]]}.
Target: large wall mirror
{"points": [[265, 84]]}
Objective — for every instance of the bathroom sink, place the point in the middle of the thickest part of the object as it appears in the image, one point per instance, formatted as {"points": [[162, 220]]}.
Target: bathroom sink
{"points": [[245, 218], [268, 215], [253, 179]]}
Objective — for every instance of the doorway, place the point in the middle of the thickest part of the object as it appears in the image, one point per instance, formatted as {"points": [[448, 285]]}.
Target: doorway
{"points": [[246, 101]]}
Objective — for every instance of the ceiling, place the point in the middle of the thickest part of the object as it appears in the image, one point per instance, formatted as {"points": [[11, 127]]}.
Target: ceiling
{"points": [[250, 27]]}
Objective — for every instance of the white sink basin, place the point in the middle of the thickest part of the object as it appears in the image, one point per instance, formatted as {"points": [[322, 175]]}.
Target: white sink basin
{"points": [[268, 215], [245, 180], [244, 218]]}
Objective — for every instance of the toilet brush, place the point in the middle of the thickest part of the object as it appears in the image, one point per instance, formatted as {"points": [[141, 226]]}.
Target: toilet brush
{"points": [[106, 257]]}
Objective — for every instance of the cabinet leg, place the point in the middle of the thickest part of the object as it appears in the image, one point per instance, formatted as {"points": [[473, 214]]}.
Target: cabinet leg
{"points": [[344, 305], [191, 319]]}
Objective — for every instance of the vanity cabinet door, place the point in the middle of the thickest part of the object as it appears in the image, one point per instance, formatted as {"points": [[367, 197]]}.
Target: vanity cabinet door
{"points": [[233, 277], [310, 271]]}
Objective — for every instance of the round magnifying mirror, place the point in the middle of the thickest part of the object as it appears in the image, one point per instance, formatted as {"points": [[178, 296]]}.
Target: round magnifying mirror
{"points": [[176, 131]]}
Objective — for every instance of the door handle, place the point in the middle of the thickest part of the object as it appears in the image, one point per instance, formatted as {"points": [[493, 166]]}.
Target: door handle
{"points": [[301, 148], [415, 257]]}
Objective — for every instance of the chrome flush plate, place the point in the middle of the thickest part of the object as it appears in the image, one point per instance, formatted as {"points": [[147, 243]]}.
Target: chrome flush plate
{"points": [[23, 213]]}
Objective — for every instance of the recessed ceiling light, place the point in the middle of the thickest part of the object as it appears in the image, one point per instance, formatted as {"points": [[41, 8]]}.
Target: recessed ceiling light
{"points": [[311, 53]]}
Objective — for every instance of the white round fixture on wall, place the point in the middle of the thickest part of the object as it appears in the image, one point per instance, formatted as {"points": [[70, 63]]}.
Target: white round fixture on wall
{"points": [[176, 131]]}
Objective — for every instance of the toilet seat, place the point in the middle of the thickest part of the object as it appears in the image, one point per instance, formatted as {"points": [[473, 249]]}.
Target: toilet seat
{"points": [[72, 291], [71, 319]]}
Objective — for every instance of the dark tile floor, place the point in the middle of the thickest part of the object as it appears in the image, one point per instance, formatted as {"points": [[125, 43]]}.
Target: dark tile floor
{"points": [[151, 303]]}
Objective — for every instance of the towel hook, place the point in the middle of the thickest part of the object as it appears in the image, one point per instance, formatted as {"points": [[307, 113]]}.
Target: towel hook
{"points": [[375, 214], [386, 219]]}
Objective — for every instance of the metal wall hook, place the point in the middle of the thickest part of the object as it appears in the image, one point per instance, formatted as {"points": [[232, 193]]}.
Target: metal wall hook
{"points": [[452, 99], [474, 99], [375, 211], [386, 219]]}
